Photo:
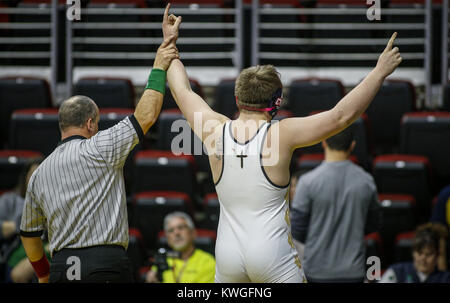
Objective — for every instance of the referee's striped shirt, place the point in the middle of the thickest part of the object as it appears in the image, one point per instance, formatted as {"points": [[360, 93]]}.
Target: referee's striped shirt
{"points": [[77, 194]]}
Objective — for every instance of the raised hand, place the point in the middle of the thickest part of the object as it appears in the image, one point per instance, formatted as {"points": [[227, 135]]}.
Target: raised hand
{"points": [[167, 51], [389, 59], [170, 24]]}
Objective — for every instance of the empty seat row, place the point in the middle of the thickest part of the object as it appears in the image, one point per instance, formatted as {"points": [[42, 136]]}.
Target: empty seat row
{"points": [[33, 93], [426, 135], [305, 96]]}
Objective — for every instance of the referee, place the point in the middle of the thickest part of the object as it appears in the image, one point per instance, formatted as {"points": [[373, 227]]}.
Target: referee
{"points": [[78, 193]]}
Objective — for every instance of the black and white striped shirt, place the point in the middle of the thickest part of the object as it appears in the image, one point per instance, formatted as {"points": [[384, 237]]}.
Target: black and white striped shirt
{"points": [[78, 192]]}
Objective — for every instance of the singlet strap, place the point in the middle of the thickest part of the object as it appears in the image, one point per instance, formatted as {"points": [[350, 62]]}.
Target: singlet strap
{"points": [[260, 159], [223, 152]]}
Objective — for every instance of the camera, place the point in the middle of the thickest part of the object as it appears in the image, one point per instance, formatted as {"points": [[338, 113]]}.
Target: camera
{"points": [[161, 260]]}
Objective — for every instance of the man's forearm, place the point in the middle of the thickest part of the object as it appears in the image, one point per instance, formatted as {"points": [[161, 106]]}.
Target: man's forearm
{"points": [[148, 109], [35, 252], [356, 102], [33, 248]]}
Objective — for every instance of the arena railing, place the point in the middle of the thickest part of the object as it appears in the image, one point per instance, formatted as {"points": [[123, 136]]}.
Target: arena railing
{"points": [[87, 54], [303, 59], [23, 46]]}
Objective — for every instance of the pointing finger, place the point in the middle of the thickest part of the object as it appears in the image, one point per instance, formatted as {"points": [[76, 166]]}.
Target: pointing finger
{"points": [[391, 42]]}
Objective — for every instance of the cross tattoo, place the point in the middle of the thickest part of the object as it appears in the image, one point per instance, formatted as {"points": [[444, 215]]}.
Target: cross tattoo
{"points": [[242, 156]]}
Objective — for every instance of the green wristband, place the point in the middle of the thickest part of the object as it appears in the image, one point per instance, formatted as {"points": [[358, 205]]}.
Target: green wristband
{"points": [[157, 80]]}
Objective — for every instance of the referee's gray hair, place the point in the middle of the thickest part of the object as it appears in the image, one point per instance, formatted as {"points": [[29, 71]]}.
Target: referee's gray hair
{"points": [[75, 111], [179, 214]]}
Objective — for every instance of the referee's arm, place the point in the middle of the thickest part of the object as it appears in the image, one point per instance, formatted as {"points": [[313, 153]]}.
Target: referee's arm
{"points": [[34, 248], [32, 226], [149, 105]]}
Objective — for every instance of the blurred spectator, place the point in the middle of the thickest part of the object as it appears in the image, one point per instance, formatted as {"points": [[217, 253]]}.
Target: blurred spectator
{"points": [[441, 212], [11, 206], [334, 206], [426, 251], [192, 265], [19, 269]]}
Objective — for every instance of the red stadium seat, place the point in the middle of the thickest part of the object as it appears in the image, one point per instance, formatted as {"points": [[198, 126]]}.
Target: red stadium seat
{"points": [[427, 134], [169, 101], [225, 100], [394, 99], [403, 246], [12, 162], [405, 174], [151, 207], [35, 129], [172, 129], [374, 245], [111, 116], [136, 251], [211, 206], [163, 171], [446, 103], [106, 91], [17, 92], [314, 94], [399, 214]]}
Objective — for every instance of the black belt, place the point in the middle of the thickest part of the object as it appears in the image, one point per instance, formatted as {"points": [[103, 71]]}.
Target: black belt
{"points": [[96, 248]]}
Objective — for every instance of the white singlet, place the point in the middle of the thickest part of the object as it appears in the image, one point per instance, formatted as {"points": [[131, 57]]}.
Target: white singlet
{"points": [[254, 242]]}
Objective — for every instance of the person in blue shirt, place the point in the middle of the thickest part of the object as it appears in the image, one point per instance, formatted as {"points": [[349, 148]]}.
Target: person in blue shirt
{"points": [[441, 212]]}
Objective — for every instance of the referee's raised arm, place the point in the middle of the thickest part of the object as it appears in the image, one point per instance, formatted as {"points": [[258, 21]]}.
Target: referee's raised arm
{"points": [[149, 105], [77, 194]]}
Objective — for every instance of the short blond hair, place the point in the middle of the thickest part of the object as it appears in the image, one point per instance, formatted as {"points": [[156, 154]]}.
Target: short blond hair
{"points": [[256, 85]]}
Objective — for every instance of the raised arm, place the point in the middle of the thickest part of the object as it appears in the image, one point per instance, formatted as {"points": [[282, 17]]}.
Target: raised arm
{"points": [[298, 132], [149, 106], [190, 104]]}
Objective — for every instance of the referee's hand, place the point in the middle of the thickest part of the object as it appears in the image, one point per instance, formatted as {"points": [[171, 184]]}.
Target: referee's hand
{"points": [[165, 54]]}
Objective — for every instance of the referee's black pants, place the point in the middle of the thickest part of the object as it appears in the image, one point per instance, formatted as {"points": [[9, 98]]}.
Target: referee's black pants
{"points": [[97, 264]]}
